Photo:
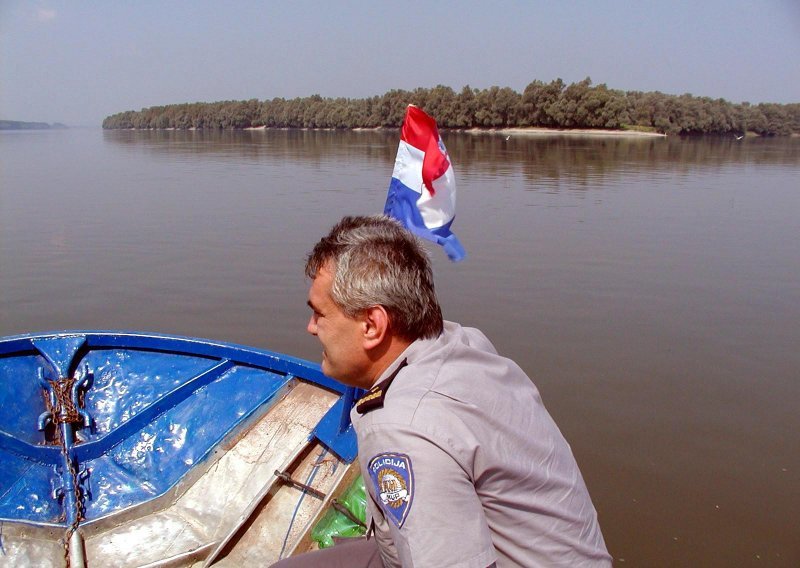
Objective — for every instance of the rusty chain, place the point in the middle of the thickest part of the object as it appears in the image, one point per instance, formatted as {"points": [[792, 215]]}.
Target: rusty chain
{"points": [[65, 412]]}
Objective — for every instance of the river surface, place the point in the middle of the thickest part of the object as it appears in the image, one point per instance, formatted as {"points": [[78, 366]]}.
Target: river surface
{"points": [[650, 288]]}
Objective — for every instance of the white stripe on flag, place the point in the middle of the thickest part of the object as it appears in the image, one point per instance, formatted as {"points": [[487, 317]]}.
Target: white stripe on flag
{"points": [[408, 166], [440, 208]]}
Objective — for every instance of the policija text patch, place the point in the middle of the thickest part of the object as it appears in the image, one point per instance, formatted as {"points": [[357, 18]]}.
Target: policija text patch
{"points": [[393, 480]]}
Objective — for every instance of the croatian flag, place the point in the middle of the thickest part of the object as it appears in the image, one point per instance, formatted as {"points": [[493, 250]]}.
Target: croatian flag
{"points": [[422, 194]]}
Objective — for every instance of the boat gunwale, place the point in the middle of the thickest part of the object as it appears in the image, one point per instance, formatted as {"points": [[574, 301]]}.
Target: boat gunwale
{"points": [[148, 341]]}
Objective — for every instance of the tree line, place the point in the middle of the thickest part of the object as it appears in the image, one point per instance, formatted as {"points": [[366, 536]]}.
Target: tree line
{"points": [[21, 125], [551, 105]]}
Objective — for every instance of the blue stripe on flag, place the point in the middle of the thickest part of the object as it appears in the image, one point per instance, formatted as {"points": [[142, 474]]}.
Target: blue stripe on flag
{"points": [[401, 203]]}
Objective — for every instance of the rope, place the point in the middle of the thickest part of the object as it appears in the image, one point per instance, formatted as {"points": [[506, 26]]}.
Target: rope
{"points": [[311, 477]]}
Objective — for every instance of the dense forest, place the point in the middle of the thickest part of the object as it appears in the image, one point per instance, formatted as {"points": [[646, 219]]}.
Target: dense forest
{"points": [[550, 105]]}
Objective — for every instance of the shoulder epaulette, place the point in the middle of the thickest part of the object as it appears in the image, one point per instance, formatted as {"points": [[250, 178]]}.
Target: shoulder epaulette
{"points": [[374, 397]]}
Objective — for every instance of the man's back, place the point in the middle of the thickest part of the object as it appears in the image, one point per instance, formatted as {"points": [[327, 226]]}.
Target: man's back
{"points": [[465, 466]]}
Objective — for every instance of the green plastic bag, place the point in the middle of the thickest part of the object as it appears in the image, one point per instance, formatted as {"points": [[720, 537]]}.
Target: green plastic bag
{"points": [[336, 524]]}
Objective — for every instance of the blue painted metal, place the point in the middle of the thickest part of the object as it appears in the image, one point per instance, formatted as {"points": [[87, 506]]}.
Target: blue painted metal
{"points": [[335, 432], [347, 400], [59, 351], [150, 408]]}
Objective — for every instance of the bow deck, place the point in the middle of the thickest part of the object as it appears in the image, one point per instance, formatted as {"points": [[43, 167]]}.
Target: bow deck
{"points": [[154, 447]]}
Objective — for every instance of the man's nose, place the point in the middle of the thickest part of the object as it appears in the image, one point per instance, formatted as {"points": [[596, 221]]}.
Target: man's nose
{"points": [[312, 325]]}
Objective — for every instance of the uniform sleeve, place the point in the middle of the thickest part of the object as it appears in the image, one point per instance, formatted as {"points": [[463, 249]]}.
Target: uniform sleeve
{"points": [[427, 501], [383, 535]]}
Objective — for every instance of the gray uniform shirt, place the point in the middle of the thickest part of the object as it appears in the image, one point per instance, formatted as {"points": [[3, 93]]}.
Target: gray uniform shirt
{"points": [[464, 466]]}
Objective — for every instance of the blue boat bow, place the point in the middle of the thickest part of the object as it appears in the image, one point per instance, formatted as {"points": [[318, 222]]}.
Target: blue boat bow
{"points": [[96, 426]]}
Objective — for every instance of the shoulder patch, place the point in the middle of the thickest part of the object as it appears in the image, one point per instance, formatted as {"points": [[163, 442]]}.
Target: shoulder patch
{"points": [[393, 480], [374, 397]]}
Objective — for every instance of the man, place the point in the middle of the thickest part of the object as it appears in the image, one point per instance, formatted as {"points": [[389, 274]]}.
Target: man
{"points": [[462, 463]]}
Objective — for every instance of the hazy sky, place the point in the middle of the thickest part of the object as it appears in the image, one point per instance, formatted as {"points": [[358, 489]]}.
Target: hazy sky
{"points": [[78, 62]]}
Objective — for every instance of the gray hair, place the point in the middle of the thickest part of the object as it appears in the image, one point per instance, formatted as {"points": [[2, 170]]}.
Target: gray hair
{"points": [[375, 261]]}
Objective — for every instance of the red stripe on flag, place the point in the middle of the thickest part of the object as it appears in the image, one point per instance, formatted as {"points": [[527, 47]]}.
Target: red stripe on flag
{"points": [[419, 130]]}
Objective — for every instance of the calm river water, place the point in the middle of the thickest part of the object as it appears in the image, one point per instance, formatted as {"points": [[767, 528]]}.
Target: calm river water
{"points": [[650, 287]]}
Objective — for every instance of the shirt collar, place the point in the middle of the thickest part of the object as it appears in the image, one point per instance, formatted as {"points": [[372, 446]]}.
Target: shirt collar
{"points": [[410, 355]]}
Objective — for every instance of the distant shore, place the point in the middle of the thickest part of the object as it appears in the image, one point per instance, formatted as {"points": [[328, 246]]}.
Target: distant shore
{"points": [[20, 125], [541, 109]]}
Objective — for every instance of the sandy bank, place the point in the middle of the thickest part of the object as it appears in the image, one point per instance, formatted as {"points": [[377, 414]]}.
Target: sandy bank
{"points": [[532, 131], [536, 131]]}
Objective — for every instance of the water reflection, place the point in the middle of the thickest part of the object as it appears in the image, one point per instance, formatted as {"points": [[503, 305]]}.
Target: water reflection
{"points": [[551, 156], [651, 287]]}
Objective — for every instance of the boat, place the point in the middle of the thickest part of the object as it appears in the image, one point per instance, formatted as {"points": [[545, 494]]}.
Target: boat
{"points": [[139, 449]]}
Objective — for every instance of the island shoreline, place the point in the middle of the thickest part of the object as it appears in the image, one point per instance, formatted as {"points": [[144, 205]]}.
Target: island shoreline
{"points": [[514, 131]]}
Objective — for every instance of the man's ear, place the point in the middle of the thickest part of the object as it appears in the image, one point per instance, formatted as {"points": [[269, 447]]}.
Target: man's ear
{"points": [[375, 326]]}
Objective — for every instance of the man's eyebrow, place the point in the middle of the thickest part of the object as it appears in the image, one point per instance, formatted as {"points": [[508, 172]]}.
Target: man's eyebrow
{"points": [[310, 305]]}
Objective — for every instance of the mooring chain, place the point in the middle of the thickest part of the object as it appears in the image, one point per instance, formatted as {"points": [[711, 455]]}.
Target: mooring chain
{"points": [[78, 492], [65, 411], [64, 398]]}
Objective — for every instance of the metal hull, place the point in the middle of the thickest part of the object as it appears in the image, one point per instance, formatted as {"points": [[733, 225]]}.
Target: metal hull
{"points": [[152, 450]]}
